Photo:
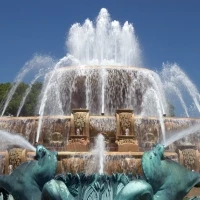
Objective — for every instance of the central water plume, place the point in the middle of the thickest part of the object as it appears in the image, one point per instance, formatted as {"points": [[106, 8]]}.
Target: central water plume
{"points": [[104, 42]]}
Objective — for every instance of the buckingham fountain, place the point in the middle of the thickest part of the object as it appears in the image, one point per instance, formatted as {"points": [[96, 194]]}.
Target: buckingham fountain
{"points": [[105, 115]]}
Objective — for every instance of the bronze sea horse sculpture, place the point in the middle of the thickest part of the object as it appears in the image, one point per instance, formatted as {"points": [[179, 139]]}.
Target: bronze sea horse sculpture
{"points": [[27, 180], [168, 179], [164, 179]]}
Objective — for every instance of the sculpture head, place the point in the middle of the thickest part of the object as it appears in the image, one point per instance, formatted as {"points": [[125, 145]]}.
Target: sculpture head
{"points": [[158, 150], [155, 155], [152, 166], [40, 152], [169, 179], [47, 164]]}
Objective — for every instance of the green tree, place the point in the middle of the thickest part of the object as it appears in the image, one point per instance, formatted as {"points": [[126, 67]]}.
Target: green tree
{"points": [[30, 103], [16, 99], [4, 88], [31, 100]]}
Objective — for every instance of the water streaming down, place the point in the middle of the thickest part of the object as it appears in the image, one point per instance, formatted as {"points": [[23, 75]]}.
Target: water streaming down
{"points": [[37, 62], [171, 88], [44, 95], [152, 99], [103, 90], [27, 92], [158, 95], [81, 87], [174, 78], [15, 84], [9, 140]]}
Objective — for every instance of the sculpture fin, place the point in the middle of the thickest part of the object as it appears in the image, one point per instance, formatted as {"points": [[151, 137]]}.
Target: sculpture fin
{"points": [[5, 183], [56, 190], [137, 189]]}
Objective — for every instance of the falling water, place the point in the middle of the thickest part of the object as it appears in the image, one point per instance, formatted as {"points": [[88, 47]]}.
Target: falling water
{"points": [[170, 87], [46, 89], [35, 63], [42, 71], [81, 87], [26, 94], [152, 95], [178, 135], [14, 86], [173, 75], [8, 139], [103, 91]]}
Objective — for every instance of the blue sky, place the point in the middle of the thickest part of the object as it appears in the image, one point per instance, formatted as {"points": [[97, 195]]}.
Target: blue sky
{"points": [[168, 30]]}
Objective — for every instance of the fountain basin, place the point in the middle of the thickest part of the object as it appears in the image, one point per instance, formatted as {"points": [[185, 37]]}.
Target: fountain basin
{"points": [[95, 87], [146, 130], [77, 162]]}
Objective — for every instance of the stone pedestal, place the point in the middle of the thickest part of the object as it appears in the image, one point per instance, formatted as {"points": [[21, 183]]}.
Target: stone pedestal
{"points": [[125, 137], [127, 143], [16, 157], [78, 144], [79, 131]]}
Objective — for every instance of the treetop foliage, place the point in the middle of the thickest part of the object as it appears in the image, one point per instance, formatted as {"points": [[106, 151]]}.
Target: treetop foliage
{"points": [[30, 103]]}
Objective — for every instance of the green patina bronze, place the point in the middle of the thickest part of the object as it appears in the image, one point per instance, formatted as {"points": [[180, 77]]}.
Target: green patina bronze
{"points": [[168, 179], [26, 181], [164, 179], [93, 187]]}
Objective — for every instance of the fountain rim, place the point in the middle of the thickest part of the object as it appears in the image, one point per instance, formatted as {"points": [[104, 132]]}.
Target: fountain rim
{"points": [[92, 116], [107, 153], [100, 67]]}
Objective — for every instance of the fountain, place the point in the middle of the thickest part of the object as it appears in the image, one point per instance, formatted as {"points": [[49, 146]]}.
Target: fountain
{"points": [[100, 86]]}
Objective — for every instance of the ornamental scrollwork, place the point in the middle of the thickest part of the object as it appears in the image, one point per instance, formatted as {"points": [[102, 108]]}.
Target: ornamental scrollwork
{"points": [[189, 156], [15, 157], [125, 120], [80, 119], [126, 141], [79, 141], [56, 138]]}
